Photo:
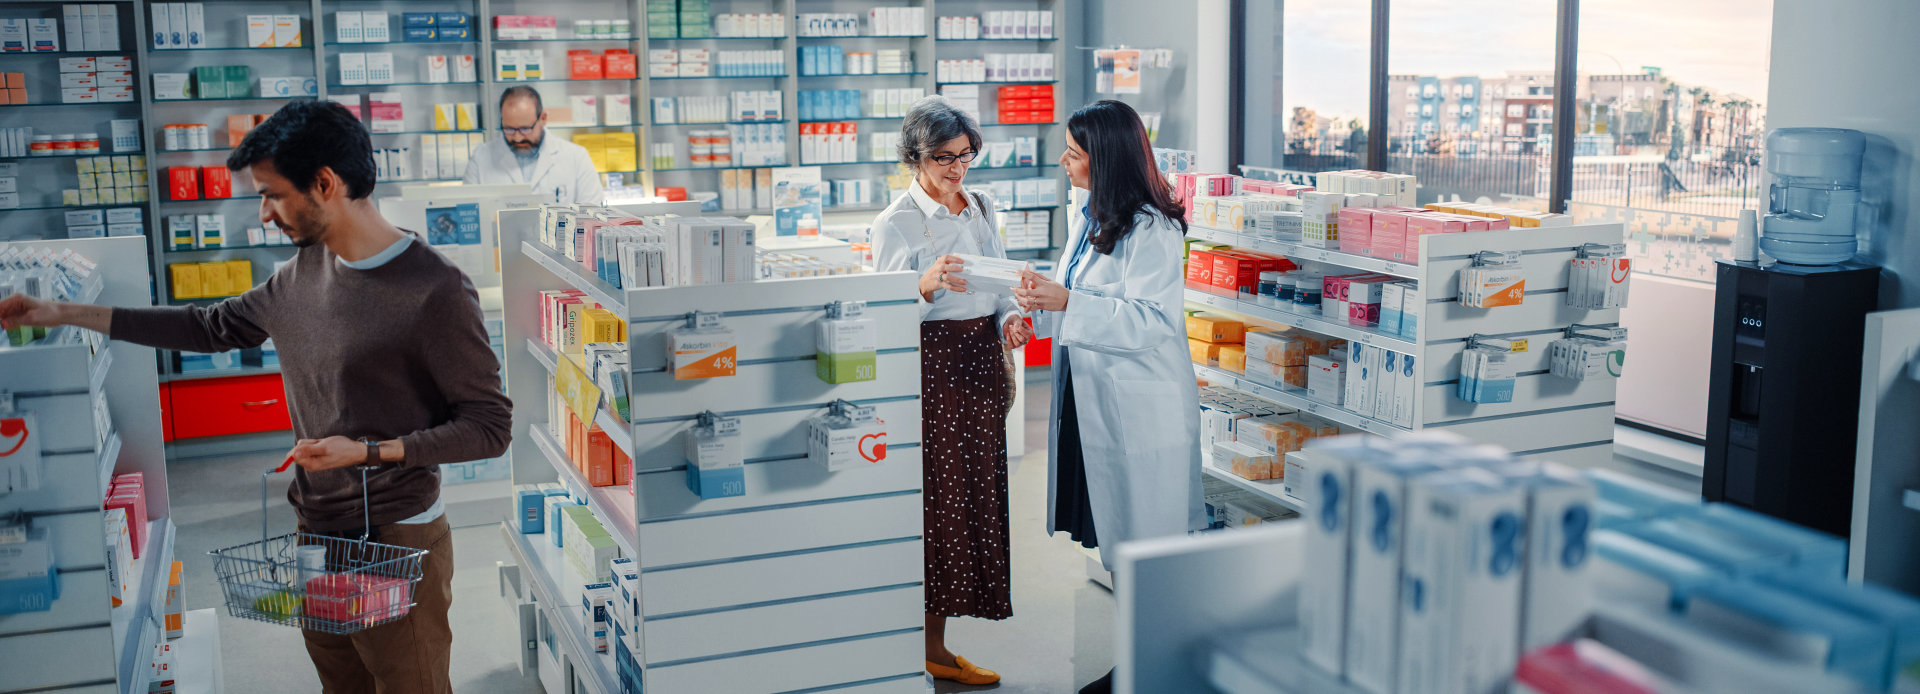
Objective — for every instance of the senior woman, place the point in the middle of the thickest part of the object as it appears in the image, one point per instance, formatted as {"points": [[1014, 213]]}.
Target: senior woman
{"points": [[965, 391]]}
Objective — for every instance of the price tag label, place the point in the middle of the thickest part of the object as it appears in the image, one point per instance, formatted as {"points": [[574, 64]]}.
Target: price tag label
{"points": [[1313, 407], [860, 414], [726, 426], [853, 309], [576, 389], [1519, 346], [1366, 338], [706, 321]]}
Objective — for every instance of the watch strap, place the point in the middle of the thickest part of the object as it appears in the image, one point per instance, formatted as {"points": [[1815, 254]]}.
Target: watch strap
{"points": [[373, 451]]}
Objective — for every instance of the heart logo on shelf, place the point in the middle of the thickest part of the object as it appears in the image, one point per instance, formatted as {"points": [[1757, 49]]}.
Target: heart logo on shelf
{"points": [[873, 447], [13, 435]]}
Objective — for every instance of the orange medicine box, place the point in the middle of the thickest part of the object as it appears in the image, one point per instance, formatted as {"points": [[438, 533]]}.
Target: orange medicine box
{"points": [[585, 65], [621, 65], [183, 183], [216, 182], [1235, 273], [1215, 328], [1203, 352], [599, 468]]}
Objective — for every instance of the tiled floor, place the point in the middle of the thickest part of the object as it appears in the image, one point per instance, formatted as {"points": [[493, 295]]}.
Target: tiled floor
{"points": [[1059, 638]]}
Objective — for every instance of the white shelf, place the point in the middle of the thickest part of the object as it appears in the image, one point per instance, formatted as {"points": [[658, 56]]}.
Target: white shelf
{"points": [[616, 429], [1271, 490], [1266, 662], [102, 364], [1302, 251], [149, 581], [597, 289], [1350, 333], [109, 455], [614, 504], [557, 586], [1299, 400]]}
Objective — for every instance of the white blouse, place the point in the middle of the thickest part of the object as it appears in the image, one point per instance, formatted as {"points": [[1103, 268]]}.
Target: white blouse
{"points": [[916, 229]]}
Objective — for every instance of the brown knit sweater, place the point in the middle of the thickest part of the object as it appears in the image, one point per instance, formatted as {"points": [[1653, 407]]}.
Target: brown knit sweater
{"points": [[397, 351]]}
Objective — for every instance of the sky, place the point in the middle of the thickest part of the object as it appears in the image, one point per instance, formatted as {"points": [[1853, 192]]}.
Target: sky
{"points": [[1721, 44]]}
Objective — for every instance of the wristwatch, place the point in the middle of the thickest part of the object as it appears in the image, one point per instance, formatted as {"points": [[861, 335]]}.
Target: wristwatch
{"points": [[373, 451]]}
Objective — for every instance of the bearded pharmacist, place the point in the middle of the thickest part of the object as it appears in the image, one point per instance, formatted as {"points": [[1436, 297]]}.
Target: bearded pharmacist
{"points": [[386, 364], [560, 172]]}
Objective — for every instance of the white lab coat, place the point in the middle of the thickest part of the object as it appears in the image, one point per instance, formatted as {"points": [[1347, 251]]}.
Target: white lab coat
{"points": [[562, 175], [1124, 331]]}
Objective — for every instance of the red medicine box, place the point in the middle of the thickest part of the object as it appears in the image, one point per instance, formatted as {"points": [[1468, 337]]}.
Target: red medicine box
{"points": [[585, 65], [1200, 270], [183, 182], [1235, 273], [217, 182]]}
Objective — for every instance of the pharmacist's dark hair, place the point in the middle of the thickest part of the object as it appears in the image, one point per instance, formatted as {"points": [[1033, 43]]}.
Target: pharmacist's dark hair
{"points": [[523, 92], [305, 136], [932, 122], [1121, 171]]}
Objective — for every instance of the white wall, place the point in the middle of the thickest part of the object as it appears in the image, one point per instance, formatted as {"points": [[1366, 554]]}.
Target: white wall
{"points": [[1853, 65], [1173, 93]]}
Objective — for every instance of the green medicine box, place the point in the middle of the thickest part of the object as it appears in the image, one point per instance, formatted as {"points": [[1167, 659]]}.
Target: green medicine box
{"points": [[210, 82], [846, 367], [239, 80]]}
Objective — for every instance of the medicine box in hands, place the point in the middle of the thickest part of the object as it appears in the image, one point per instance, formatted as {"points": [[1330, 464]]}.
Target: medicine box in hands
{"points": [[990, 275]]}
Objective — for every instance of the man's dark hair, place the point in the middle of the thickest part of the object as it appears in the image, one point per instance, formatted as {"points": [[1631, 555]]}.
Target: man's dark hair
{"points": [[307, 135], [523, 92]]}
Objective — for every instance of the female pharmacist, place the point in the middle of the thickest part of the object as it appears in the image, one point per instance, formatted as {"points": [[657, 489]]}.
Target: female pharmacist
{"points": [[1122, 458], [966, 387]]}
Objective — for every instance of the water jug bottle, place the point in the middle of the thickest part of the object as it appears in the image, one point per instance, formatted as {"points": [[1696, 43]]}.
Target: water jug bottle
{"points": [[1814, 195]]}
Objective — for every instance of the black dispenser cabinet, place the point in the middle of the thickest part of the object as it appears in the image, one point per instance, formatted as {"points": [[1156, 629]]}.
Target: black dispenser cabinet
{"points": [[1784, 407]]}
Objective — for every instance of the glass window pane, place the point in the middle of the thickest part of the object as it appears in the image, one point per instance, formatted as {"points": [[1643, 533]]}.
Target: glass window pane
{"points": [[1470, 98], [1667, 140], [1306, 85]]}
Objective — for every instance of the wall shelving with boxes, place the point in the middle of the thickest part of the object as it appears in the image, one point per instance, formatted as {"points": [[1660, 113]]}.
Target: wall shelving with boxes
{"points": [[90, 481], [1386, 318], [660, 97], [802, 454]]}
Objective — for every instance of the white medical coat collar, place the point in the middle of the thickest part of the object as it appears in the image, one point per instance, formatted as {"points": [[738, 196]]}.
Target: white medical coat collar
{"points": [[932, 207]]}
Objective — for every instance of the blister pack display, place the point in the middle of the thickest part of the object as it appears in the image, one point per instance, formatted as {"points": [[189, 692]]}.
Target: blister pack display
{"points": [[1599, 277], [1589, 354], [1495, 279]]}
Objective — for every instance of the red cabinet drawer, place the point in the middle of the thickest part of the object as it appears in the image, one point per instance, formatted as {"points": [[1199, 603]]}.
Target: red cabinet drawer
{"points": [[225, 406]]}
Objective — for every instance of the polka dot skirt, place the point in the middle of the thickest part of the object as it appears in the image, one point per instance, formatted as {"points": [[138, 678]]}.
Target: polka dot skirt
{"points": [[963, 408]]}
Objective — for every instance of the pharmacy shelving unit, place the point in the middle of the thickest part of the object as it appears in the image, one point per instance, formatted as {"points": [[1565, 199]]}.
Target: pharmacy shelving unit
{"points": [[84, 643], [1550, 418], [1052, 135], [40, 180], [811, 580]]}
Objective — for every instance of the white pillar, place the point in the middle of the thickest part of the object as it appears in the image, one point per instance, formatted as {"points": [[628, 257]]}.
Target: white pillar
{"points": [[1211, 59]]}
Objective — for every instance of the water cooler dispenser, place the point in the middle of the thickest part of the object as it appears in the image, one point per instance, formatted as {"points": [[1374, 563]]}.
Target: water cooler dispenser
{"points": [[1784, 400]]}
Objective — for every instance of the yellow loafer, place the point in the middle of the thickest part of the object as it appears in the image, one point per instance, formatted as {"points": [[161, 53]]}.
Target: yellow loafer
{"points": [[967, 673]]}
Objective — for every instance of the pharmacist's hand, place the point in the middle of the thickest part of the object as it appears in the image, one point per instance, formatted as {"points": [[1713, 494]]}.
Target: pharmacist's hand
{"points": [[330, 453], [1017, 332], [19, 309], [945, 274], [1038, 293]]}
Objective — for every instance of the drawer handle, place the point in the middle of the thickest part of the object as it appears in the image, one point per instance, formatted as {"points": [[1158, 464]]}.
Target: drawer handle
{"points": [[260, 404]]}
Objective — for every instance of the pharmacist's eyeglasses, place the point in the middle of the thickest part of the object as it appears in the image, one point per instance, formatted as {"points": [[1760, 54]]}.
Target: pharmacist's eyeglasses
{"points": [[523, 132], [948, 159]]}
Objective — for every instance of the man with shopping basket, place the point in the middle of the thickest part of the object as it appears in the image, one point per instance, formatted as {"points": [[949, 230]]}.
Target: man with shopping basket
{"points": [[388, 373]]}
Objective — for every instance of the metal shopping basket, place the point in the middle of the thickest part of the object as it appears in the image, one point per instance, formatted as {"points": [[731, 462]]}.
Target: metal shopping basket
{"points": [[358, 584]]}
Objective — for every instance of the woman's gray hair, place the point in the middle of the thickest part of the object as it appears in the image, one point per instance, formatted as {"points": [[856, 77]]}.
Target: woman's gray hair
{"points": [[933, 122]]}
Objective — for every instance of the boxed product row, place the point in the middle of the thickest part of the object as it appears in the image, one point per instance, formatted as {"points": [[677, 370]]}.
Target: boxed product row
{"points": [[1441, 499], [592, 111], [849, 192], [519, 64], [267, 30], [362, 27], [742, 189], [881, 21], [208, 280], [770, 25], [614, 64], [688, 19], [205, 82], [1249, 436], [737, 106], [186, 232], [199, 182], [177, 137], [660, 251], [997, 67], [1019, 152], [836, 60], [378, 68], [1015, 24], [1026, 193], [440, 157], [22, 142], [1023, 104], [958, 29], [1021, 231], [118, 221], [832, 104], [415, 27], [782, 265], [755, 144], [545, 27], [88, 27], [829, 143]]}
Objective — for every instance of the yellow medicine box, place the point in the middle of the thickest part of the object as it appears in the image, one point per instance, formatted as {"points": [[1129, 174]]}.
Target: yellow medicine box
{"points": [[186, 281], [239, 276], [1212, 327]]}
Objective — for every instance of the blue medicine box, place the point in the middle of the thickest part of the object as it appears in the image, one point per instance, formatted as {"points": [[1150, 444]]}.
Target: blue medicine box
{"points": [[421, 34], [419, 19], [531, 504]]}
